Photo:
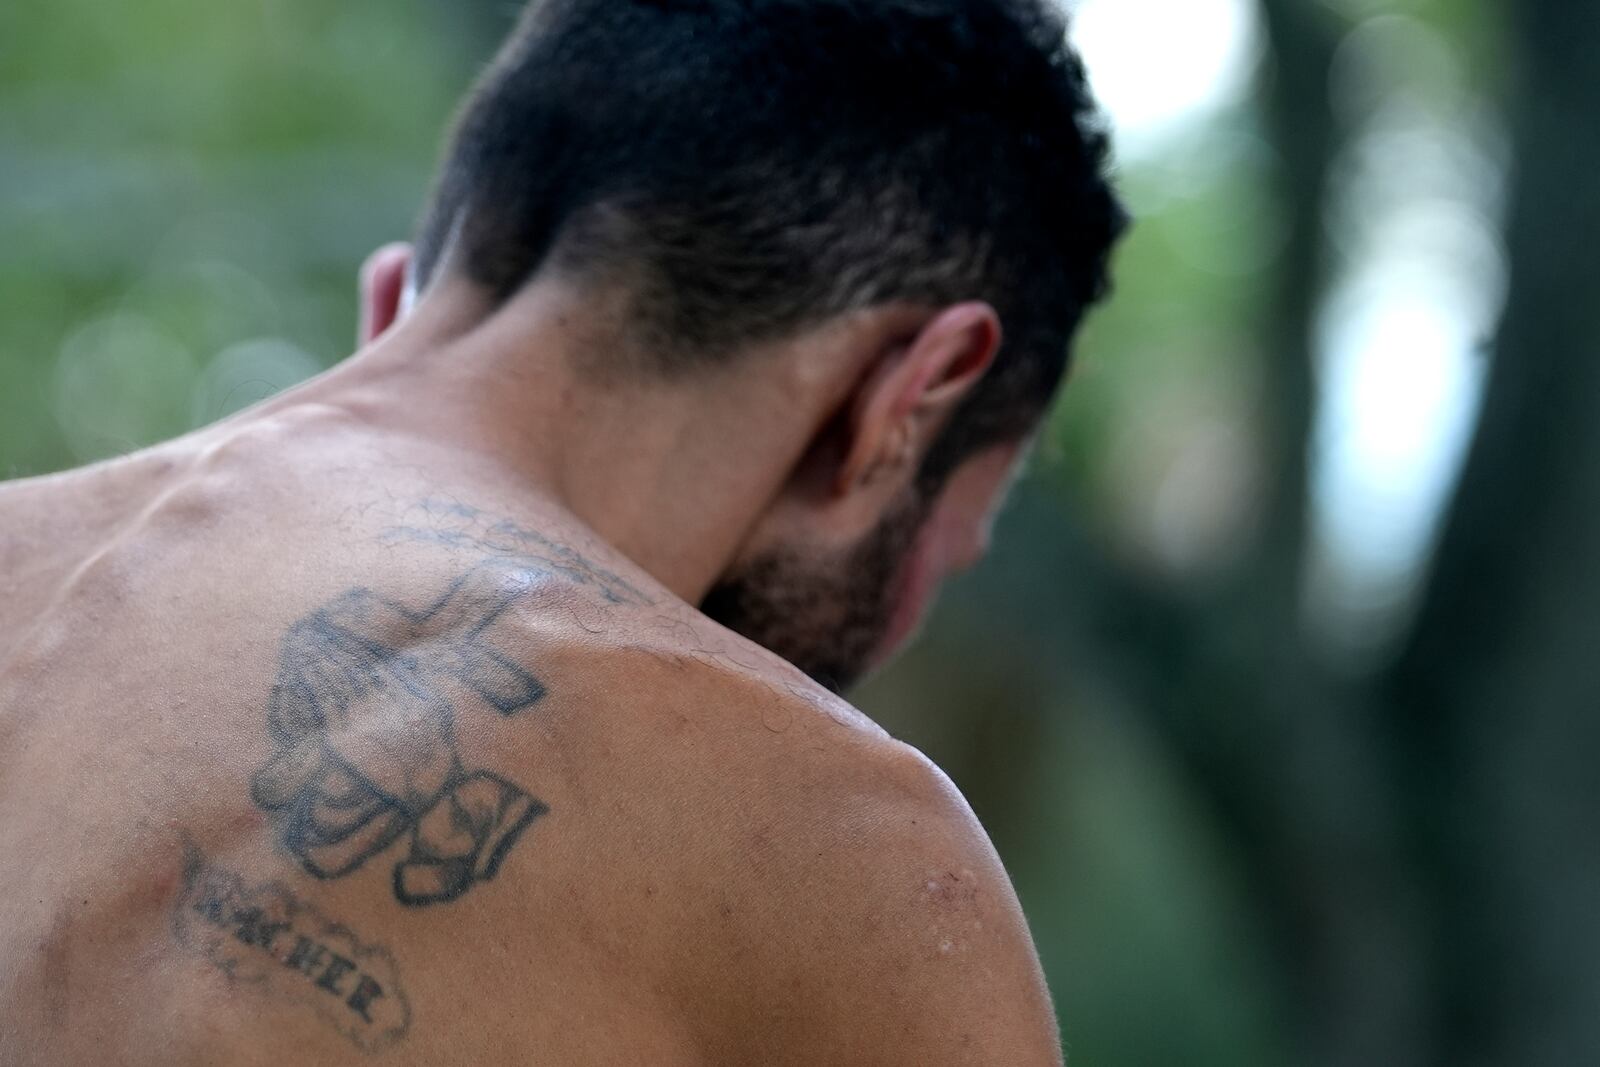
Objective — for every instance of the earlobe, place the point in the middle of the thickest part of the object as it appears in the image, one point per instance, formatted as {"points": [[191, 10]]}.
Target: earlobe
{"points": [[899, 451], [871, 420], [904, 442], [913, 388], [383, 282]]}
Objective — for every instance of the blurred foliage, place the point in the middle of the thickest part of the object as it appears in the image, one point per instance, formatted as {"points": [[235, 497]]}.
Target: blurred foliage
{"points": [[201, 176], [1232, 849]]}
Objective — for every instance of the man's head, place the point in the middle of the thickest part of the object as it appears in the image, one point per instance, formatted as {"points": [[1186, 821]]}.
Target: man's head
{"points": [[889, 180]]}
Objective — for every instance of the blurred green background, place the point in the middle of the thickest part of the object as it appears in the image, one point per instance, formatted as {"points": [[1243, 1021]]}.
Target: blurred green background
{"points": [[1279, 696]]}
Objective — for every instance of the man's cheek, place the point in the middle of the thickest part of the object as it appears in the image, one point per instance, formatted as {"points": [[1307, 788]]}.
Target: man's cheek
{"points": [[956, 542]]}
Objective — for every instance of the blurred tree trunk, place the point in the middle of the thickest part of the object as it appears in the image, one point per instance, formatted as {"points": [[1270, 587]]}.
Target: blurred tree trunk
{"points": [[1327, 822], [1496, 699]]}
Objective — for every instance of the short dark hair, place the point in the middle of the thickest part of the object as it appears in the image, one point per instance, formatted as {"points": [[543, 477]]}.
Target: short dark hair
{"points": [[753, 167]]}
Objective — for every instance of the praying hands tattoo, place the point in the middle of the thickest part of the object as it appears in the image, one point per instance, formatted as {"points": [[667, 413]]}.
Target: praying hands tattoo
{"points": [[364, 711], [363, 722]]}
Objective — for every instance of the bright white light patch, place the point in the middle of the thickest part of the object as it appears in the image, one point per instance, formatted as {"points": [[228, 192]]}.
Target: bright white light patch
{"points": [[1157, 66], [1402, 344], [1402, 379]]}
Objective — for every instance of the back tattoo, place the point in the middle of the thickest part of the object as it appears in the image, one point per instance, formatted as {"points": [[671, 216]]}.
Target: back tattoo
{"points": [[364, 711]]}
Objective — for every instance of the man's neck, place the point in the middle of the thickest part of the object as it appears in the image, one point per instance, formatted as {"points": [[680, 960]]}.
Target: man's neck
{"points": [[669, 472]]}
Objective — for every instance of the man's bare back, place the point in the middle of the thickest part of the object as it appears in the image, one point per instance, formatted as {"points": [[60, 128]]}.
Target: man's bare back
{"points": [[305, 752], [473, 702]]}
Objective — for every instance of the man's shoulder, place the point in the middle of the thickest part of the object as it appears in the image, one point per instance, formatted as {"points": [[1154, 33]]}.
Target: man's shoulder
{"points": [[784, 773], [807, 767], [844, 890], [836, 811]]}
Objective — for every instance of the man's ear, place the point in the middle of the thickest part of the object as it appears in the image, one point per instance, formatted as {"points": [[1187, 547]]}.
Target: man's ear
{"points": [[909, 395], [383, 283]]}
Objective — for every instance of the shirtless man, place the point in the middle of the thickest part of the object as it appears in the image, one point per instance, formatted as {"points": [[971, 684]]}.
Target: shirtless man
{"points": [[474, 703]]}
